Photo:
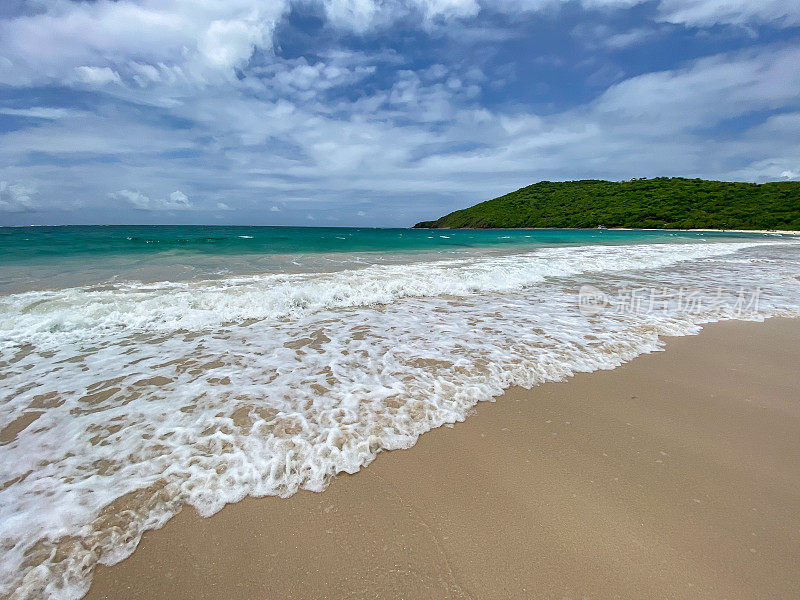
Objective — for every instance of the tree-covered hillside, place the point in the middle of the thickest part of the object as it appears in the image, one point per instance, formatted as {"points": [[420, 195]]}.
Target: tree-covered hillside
{"points": [[671, 203]]}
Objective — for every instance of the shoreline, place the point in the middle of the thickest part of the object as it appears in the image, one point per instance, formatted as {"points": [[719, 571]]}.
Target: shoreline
{"points": [[765, 231], [671, 476], [791, 232]]}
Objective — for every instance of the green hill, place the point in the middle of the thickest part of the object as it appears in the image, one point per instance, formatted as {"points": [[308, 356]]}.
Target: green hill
{"points": [[668, 203]]}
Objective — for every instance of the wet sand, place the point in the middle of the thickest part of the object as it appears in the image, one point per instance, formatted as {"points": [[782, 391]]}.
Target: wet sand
{"points": [[675, 476]]}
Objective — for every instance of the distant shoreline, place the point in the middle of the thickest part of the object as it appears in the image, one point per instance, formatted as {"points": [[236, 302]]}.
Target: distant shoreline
{"points": [[707, 230], [765, 231]]}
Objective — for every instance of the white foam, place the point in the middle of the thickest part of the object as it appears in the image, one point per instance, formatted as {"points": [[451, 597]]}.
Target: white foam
{"points": [[43, 317], [203, 393]]}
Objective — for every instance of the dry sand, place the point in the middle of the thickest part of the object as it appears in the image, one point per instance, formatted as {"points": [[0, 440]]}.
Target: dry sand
{"points": [[675, 476]]}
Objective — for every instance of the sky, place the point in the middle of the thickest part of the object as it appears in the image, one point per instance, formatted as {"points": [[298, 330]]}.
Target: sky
{"points": [[376, 113]]}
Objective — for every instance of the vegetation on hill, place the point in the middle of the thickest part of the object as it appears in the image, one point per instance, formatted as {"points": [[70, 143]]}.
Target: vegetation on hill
{"points": [[668, 203]]}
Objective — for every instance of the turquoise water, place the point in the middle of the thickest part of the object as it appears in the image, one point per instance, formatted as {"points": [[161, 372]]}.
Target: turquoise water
{"points": [[28, 244], [34, 258]]}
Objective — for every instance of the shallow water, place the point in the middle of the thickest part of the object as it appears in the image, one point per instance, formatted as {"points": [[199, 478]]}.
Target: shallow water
{"points": [[126, 399], [54, 257]]}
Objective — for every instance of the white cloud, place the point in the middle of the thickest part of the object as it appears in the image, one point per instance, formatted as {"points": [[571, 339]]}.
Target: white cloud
{"points": [[706, 92], [695, 13], [16, 197], [223, 206], [181, 43], [228, 43], [360, 15], [355, 14], [97, 75], [790, 174], [177, 200], [421, 139], [175, 42], [447, 9], [597, 35], [297, 79], [709, 12], [85, 132], [38, 112], [102, 41]]}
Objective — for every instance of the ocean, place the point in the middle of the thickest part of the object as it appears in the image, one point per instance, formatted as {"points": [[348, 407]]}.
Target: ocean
{"points": [[146, 368]]}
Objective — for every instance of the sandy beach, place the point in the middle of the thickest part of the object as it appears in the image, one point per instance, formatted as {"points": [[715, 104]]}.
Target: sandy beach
{"points": [[674, 476]]}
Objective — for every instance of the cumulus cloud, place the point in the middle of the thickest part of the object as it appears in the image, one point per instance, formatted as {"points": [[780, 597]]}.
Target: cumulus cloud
{"points": [[97, 75], [421, 136], [355, 14], [360, 15], [196, 97], [105, 41], [300, 80], [177, 200], [199, 42], [447, 9], [15, 198], [180, 42]]}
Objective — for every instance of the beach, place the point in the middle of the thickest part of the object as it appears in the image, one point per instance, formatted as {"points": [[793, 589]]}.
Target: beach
{"points": [[673, 476], [144, 387]]}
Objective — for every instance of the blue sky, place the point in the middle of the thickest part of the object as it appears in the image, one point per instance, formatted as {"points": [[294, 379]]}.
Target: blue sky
{"points": [[364, 112]]}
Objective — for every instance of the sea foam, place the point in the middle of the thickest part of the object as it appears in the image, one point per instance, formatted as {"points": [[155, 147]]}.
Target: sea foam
{"points": [[132, 400]]}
